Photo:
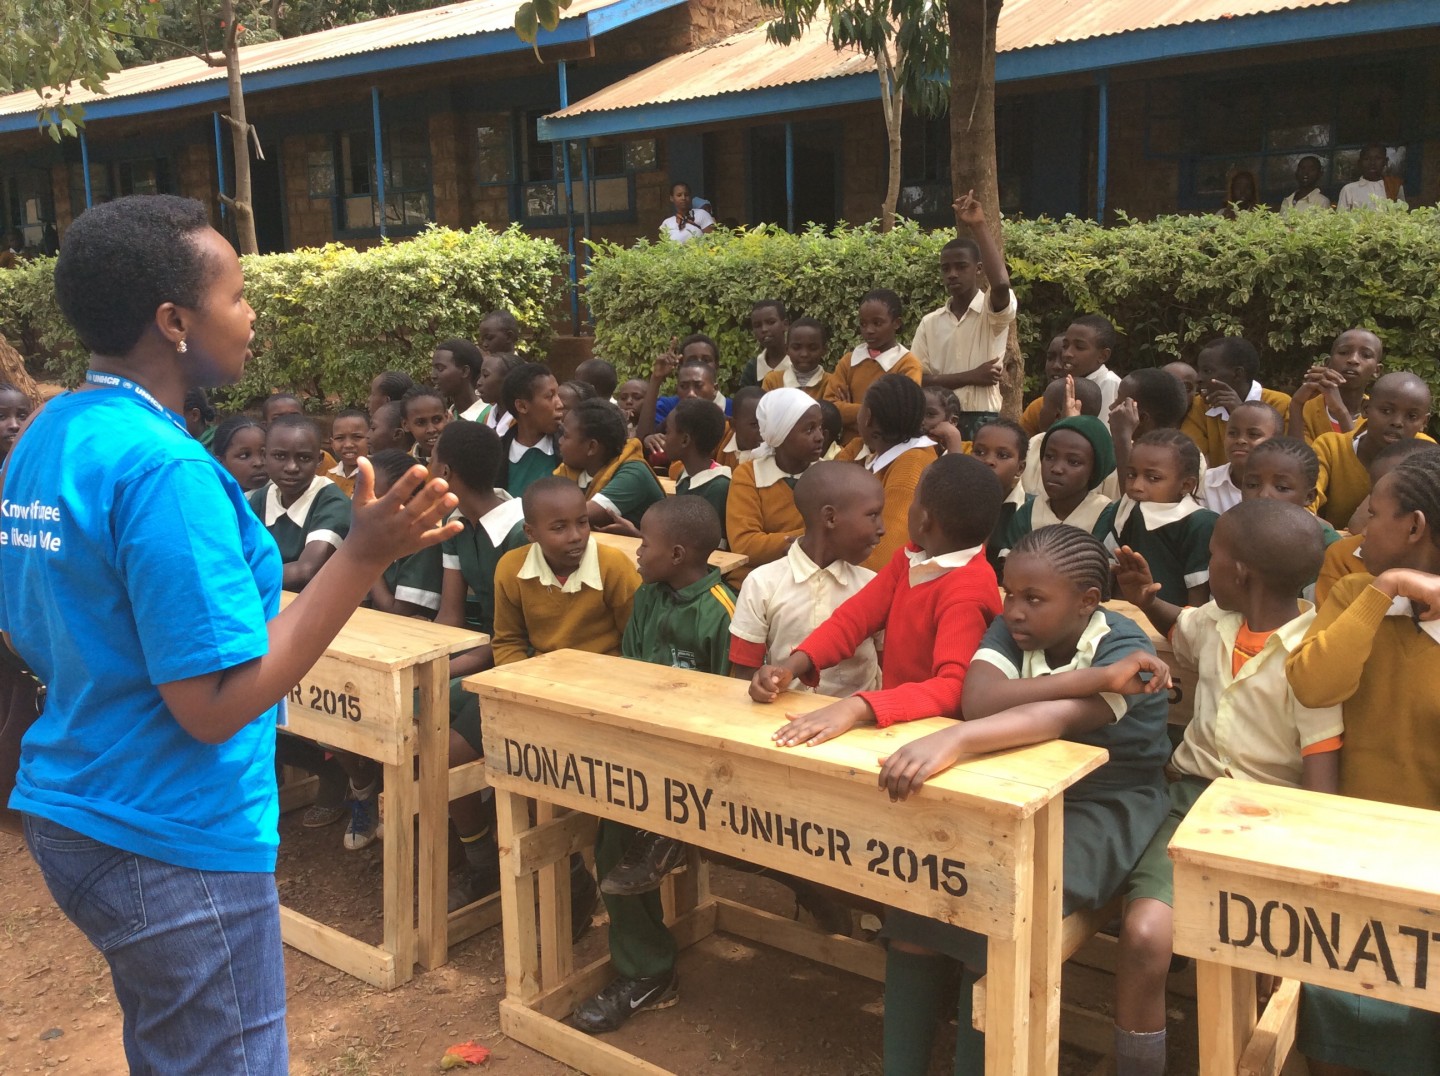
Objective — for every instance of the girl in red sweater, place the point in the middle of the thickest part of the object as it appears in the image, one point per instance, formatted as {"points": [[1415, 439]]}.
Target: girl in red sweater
{"points": [[934, 601]]}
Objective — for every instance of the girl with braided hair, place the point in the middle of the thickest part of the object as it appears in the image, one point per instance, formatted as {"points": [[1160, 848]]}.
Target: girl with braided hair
{"points": [[1056, 666], [1373, 650]]}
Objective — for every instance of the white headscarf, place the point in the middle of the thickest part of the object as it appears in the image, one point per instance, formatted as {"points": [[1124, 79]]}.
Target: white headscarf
{"points": [[779, 411]]}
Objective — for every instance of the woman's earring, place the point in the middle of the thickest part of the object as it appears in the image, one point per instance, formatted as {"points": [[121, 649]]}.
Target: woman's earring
{"points": [[182, 347]]}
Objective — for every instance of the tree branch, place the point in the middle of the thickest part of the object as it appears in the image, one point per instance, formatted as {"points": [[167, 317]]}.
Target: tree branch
{"points": [[213, 61]]}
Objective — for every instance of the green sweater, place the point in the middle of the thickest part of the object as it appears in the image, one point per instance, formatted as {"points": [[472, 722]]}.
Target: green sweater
{"points": [[686, 629]]}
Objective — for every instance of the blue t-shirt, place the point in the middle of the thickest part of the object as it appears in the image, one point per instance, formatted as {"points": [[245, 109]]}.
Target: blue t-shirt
{"points": [[665, 404], [129, 558]]}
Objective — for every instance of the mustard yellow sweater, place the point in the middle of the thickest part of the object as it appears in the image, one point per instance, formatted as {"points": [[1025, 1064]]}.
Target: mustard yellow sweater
{"points": [[531, 618], [1209, 431], [900, 477], [853, 381], [760, 522]]}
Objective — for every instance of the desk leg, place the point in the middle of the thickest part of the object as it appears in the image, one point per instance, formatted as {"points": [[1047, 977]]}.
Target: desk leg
{"points": [[400, 868], [1007, 997], [557, 952], [517, 902], [1045, 932], [1225, 1016], [433, 745]]}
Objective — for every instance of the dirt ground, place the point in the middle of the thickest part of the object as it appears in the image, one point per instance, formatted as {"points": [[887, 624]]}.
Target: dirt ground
{"points": [[744, 1008]]}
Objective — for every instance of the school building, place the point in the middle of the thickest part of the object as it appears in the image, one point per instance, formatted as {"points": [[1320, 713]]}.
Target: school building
{"points": [[1141, 106]]}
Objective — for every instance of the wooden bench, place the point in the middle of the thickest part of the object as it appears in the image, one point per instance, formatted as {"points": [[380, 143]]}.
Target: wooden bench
{"points": [[1338, 892], [690, 756], [723, 559], [382, 691]]}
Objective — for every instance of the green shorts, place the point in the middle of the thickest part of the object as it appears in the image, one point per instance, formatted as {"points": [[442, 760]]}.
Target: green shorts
{"points": [[1154, 876], [465, 715]]}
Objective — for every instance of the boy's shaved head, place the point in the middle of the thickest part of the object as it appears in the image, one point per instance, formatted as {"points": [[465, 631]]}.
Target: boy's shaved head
{"points": [[832, 482], [1401, 382], [690, 521], [1087, 394], [1278, 540], [550, 495]]}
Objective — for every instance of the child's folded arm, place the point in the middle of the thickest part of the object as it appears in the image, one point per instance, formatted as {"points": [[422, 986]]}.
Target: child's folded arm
{"points": [[958, 631], [990, 690], [1326, 667]]}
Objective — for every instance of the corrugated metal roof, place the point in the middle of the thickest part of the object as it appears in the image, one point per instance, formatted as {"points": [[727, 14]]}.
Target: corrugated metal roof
{"points": [[747, 61], [436, 24]]}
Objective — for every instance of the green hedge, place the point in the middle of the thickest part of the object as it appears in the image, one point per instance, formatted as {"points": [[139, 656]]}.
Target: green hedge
{"points": [[329, 319], [1288, 284]]}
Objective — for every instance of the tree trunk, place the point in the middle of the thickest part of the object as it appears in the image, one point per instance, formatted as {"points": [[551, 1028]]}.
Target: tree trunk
{"points": [[892, 101], [241, 204], [972, 142]]}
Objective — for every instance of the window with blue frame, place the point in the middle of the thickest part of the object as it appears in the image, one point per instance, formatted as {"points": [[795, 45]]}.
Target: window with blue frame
{"points": [[27, 206], [409, 202], [116, 179], [1264, 121]]}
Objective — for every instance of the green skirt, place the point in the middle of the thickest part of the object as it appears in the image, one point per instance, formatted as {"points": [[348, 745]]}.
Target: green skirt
{"points": [[1367, 1033], [1106, 832]]}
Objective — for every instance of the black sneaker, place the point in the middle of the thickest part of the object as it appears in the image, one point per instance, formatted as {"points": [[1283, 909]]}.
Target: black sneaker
{"points": [[622, 999], [643, 866], [584, 897]]}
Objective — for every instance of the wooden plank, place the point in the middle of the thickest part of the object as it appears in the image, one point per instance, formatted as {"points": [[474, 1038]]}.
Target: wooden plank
{"points": [[389, 643], [1274, 1036], [517, 901], [550, 841], [1225, 1016], [717, 713], [1047, 938], [356, 709], [588, 1053], [467, 778], [926, 857], [297, 794], [432, 801], [557, 958], [723, 559], [399, 855], [866, 959], [472, 919], [350, 955], [1008, 967]]}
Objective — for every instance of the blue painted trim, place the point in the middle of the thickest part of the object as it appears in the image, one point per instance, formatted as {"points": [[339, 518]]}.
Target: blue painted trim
{"points": [[219, 163], [789, 176], [85, 167], [852, 89], [572, 31], [379, 156], [1102, 146], [569, 210], [1356, 18]]}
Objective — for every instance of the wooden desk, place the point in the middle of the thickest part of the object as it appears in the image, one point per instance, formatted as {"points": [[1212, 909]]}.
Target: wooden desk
{"points": [[667, 484], [690, 756], [382, 691], [1328, 890], [723, 559]]}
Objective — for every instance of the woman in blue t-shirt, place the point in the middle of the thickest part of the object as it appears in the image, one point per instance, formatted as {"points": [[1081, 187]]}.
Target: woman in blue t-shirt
{"points": [[144, 594]]}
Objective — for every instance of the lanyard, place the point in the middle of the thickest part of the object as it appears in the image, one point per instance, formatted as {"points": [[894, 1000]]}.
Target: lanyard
{"points": [[115, 381]]}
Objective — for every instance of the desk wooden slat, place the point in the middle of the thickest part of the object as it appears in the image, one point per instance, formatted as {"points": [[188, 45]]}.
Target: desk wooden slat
{"points": [[723, 559], [385, 641]]}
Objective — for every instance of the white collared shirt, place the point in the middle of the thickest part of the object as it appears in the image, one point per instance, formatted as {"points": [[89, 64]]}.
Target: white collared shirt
{"points": [[1109, 382], [695, 226], [586, 575], [546, 444], [1223, 413], [1368, 194], [792, 380], [339, 470], [707, 475], [893, 453], [496, 523], [886, 359], [1404, 607], [1217, 491], [949, 344], [768, 472], [472, 413], [1034, 663], [1316, 199], [300, 510], [499, 421], [763, 367], [1156, 515], [782, 602], [925, 568], [1085, 516]]}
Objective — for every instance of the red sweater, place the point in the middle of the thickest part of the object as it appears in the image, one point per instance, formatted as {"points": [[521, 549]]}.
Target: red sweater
{"points": [[931, 633]]}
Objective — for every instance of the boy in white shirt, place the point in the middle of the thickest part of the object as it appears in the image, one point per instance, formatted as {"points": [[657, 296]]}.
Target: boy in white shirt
{"points": [[1374, 189], [1307, 194], [1089, 343]]}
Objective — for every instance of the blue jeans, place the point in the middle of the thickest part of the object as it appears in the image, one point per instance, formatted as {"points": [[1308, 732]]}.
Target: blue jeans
{"points": [[195, 956]]}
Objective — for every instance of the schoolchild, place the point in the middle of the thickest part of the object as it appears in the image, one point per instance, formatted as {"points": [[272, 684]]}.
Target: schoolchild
{"points": [[239, 445], [770, 325], [696, 366], [1054, 369], [934, 601], [893, 449], [15, 408], [629, 397], [499, 333], [1188, 377], [1089, 343], [572, 394], [1372, 650], [761, 519], [389, 386], [832, 426], [878, 354], [1001, 445], [782, 602], [807, 342], [609, 467], [454, 369], [425, 416], [468, 457], [349, 440], [387, 429], [304, 512], [599, 375], [1397, 410], [1076, 456], [199, 415], [1065, 398], [1332, 397], [744, 442], [1229, 372], [1146, 399], [491, 388], [1055, 666], [941, 421], [1250, 424], [1160, 518], [961, 346], [531, 396], [693, 432], [411, 585], [1248, 725]]}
